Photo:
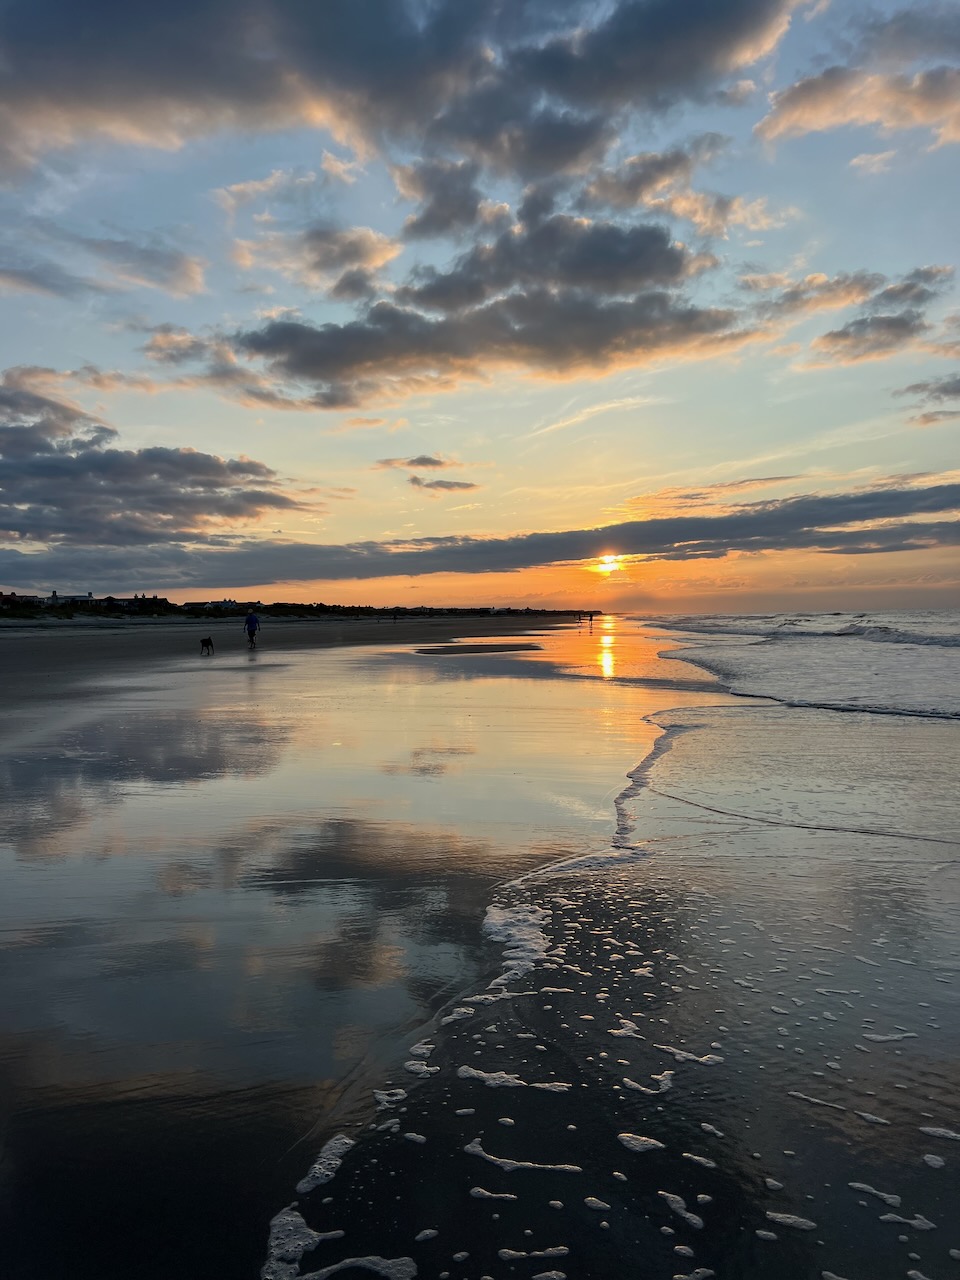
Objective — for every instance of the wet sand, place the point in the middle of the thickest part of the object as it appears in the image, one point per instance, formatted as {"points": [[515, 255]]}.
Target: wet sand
{"points": [[42, 659]]}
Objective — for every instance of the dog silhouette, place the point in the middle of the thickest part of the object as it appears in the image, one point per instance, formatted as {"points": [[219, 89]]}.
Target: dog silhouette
{"points": [[206, 646]]}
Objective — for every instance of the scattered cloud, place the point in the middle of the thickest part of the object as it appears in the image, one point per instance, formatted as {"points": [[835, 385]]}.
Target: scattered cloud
{"points": [[448, 486], [321, 256], [841, 96], [423, 461], [660, 180], [871, 337], [283, 186], [873, 161], [63, 480]]}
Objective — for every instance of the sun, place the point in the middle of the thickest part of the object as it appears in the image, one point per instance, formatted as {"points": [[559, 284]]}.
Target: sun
{"points": [[609, 564]]}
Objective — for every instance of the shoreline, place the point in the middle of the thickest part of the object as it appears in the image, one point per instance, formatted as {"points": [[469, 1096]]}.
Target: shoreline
{"points": [[54, 659]]}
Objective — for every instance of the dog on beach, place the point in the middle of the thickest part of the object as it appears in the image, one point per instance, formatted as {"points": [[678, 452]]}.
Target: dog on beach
{"points": [[206, 646]]}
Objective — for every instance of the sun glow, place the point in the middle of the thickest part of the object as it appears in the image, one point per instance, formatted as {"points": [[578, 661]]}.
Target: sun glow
{"points": [[609, 564]]}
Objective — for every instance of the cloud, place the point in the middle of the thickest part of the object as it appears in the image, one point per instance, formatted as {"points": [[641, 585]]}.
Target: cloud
{"points": [[871, 337], [420, 462], [558, 252], [660, 180], [318, 255], [870, 521], [841, 96], [152, 264], [63, 480], [529, 87], [395, 351], [655, 53], [147, 263], [445, 485], [935, 391], [44, 277], [814, 292], [285, 186], [450, 199], [873, 162], [939, 389]]}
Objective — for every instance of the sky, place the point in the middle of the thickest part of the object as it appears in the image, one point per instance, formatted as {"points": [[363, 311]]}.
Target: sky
{"points": [[638, 305]]}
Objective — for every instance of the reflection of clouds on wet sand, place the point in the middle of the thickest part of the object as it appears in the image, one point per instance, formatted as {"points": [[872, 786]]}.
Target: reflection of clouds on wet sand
{"points": [[54, 787], [428, 762]]}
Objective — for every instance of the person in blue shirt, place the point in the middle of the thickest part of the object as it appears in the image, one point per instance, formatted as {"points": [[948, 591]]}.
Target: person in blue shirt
{"points": [[251, 624]]}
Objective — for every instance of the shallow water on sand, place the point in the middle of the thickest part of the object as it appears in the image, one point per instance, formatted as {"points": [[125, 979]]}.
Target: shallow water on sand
{"points": [[734, 1052], [233, 888]]}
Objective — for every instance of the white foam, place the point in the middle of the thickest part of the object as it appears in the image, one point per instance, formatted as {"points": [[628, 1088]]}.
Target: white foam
{"points": [[420, 1069], [817, 1102], [387, 1098], [935, 1162], [701, 1160], [475, 1148], [389, 1268], [422, 1049], [327, 1163], [918, 1222], [509, 1080], [894, 1035], [885, 1196], [480, 1193], [635, 1143], [593, 1203], [290, 1239], [681, 1055], [932, 1132], [664, 1082], [679, 1207], [791, 1220], [521, 929], [429, 1234], [457, 1015]]}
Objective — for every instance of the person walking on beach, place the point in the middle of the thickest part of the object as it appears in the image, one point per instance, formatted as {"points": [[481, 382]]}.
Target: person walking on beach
{"points": [[251, 624]]}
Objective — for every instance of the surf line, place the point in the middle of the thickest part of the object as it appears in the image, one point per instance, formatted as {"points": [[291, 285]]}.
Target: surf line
{"points": [[800, 826]]}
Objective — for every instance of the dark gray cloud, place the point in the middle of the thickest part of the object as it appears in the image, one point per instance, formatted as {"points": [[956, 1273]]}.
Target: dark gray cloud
{"points": [[558, 252], [526, 86], [395, 351], [450, 486], [871, 337], [641, 175], [63, 480], [940, 389], [448, 194], [423, 461], [653, 52], [509, 128], [894, 517]]}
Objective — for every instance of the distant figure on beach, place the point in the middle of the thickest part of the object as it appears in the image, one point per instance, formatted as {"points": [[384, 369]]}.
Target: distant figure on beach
{"points": [[206, 646], [251, 624]]}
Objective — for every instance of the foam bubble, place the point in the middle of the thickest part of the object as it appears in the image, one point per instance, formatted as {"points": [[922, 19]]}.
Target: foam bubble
{"points": [[326, 1164]]}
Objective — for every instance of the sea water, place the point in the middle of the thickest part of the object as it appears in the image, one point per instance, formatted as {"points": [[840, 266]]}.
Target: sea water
{"points": [[634, 952], [726, 1043]]}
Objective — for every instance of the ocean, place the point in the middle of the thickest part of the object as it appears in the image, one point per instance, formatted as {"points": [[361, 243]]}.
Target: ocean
{"points": [[635, 951]]}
